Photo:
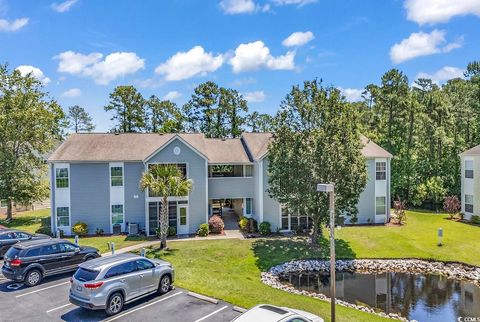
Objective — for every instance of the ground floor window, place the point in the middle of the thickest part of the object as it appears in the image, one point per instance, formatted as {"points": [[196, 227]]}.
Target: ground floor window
{"points": [[248, 206], [380, 206], [63, 217], [3, 203], [117, 214], [294, 220], [469, 203], [155, 208]]}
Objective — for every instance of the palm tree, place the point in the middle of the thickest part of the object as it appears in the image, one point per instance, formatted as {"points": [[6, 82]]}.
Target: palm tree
{"points": [[165, 181]]}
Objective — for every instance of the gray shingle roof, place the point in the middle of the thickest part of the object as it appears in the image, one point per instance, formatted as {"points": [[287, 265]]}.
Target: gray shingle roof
{"points": [[471, 152], [101, 147]]}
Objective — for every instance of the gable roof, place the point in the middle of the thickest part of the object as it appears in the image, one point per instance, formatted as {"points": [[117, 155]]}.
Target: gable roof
{"points": [[471, 152], [107, 147]]}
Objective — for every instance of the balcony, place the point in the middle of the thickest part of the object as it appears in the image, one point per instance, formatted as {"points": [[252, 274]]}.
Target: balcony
{"points": [[231, 187]]}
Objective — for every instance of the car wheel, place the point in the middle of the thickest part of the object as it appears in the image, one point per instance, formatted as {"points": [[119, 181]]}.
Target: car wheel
{"points": [[115, 304], [165, 283], [33, 277]]}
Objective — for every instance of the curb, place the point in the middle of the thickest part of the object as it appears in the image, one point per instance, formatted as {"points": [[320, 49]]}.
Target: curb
{"points": [[239, 309], [203, 297]]}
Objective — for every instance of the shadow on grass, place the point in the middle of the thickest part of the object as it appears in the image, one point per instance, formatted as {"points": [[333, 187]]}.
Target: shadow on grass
{"points": [[155, 252], [21, 221], [271, 252]]}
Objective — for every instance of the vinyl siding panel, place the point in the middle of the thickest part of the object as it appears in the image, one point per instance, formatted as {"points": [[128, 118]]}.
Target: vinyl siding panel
{"points": [[271, 207], [366, 204], [219, 188], [134, 197]]}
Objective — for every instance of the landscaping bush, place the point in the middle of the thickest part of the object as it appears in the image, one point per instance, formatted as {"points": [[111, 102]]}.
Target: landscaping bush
{"points": [[265, 228], [80, 229], [203, 230], [172, 231], [243, 223], [475, 219], [452, 205], [46, 230], [216, 224], [45, 222], [99, 232]]}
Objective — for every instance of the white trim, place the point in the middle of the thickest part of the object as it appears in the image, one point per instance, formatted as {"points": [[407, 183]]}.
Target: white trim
{"points": [[207, 207], [145, 192], [229, 177], [117, 193], [261, 190], [176, 136], [187, 207], [62, 198]]}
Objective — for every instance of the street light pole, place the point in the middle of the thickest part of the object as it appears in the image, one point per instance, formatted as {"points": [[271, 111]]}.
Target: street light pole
{"points": [[330, 189]]}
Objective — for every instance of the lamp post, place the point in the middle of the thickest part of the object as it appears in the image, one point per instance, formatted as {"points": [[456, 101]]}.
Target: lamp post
{"points": [[330, 189]]}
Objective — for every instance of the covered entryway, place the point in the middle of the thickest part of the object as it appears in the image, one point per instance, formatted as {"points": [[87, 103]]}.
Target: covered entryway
{"points": [[177, 216]]}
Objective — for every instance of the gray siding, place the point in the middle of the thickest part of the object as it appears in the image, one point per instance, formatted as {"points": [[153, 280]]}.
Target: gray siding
{"points": [[366, 204], [220, 188], [90, 195], [271, 207], [134, 197], [196, 171]]}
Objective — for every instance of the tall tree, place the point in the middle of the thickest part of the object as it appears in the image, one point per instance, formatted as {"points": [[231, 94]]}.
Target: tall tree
{"points": [[128, 106], [79, 119], [163, 116], [234, 105], [259, 122], [165, 181], [30, 124], [316, 140]]}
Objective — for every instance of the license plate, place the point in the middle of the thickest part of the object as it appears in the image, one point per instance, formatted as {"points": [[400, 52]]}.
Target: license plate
{"points": [[79, 288]]}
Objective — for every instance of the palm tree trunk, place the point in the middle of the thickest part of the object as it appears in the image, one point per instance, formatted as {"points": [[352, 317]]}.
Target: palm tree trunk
{"points": [[164, 223]]}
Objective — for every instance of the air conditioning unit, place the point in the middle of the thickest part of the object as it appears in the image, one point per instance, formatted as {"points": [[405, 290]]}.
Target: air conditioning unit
{"points": [[133, 229]]}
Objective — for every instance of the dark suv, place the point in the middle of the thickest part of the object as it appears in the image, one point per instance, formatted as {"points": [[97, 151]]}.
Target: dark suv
{"points": [[29, 262], [9, 237]]}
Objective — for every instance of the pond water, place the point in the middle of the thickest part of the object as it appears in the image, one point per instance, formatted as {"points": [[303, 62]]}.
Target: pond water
{"points": [[421, 297]]}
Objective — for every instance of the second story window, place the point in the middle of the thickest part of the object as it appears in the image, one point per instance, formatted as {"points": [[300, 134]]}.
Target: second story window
{"points": [[61, 177], [116, 176], [230, 170], [469, 169], [381, 170]]}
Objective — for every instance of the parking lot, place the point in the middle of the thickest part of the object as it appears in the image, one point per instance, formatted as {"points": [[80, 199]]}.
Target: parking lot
{"points": [[49, 302]]}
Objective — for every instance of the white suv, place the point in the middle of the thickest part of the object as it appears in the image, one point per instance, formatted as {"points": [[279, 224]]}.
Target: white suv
{"points": [[270, 313]]}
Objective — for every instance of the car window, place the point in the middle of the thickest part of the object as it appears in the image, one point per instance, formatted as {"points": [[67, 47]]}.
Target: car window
{"points": [[85, 275], [21, 235], [4, 237], [143, 264], [121, 269], [46, 250], [67, 248], [13, 252], [33, 252], [55, 248]]}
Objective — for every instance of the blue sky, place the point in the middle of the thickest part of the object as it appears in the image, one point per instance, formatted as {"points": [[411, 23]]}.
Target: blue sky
{"points": [[82, 49]]}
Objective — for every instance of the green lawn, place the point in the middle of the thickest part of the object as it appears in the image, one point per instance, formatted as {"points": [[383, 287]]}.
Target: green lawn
{"points": [[30, 221]]}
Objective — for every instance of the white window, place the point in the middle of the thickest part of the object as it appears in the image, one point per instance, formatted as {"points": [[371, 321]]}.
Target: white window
{"points": [[116, 176], [469, 204], [248, 206], [117, 214], [292, 220], [63, 217], [248, 170], [380, 205], [381, 170], [61, 177], [469, 169]]}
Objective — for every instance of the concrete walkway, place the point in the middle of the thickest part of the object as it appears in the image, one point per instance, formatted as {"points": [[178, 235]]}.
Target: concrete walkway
{"points": [[231, 229]]}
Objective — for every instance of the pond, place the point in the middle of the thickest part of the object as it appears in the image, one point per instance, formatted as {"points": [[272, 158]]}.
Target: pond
{"points": [[421, 297]]}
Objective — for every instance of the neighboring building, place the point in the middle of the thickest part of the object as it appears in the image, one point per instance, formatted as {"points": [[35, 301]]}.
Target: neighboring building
{"points": [[470, 168], [95, 179]]}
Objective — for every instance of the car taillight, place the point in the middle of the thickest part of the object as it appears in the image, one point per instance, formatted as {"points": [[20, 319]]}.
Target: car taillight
{"points": [[16, 262], [93, 285]]}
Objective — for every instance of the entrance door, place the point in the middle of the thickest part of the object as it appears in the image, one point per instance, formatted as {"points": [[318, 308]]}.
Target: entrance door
{"points": [[182, 219]]}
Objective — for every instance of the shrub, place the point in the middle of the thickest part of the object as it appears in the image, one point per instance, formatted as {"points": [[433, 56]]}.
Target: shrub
{"points": [[99, 232], [243, 223], [265, 228], [172, 231], [216, 224], [452, 205], [203, 230], [80, 228], [475, 219], [46, 230]]}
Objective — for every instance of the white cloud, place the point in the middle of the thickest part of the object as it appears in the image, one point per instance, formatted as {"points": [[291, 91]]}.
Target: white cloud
{"points": [[299, 3], [184, 65], [256, 96], [256, 55], [14, 25], [298, 39], [173, 95], [352, 94], [444, 74], [421, 44], [238, 6], [34, 71], [63, 6], [114, 65], [73, 92], [436, 11]]}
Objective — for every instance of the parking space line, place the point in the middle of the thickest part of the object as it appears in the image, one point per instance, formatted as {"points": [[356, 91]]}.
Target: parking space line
{"points": [[58, 308], [42, 289], [213, 313], [142, 307]]}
